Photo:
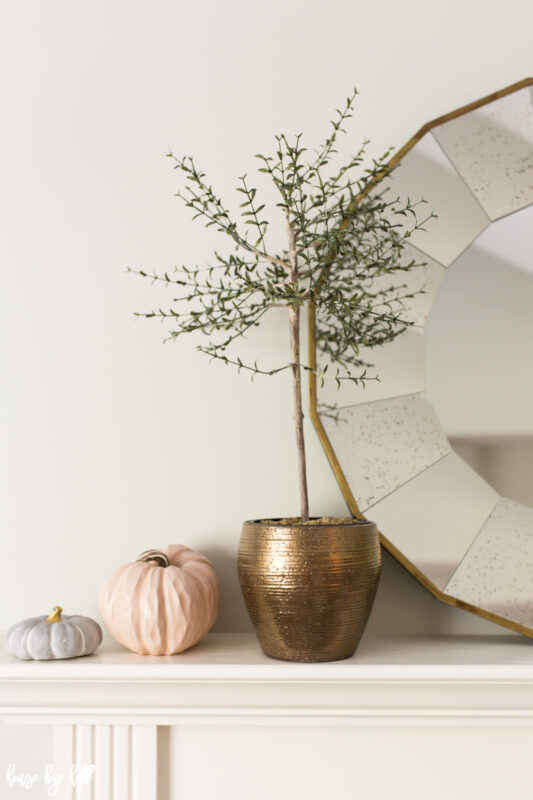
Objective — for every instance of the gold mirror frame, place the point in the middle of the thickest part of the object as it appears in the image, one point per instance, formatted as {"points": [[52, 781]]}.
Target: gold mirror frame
{"points": [[319, 426]]}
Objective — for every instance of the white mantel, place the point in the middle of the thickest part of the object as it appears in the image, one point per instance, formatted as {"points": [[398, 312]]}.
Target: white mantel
{"points": [[112, 708]]}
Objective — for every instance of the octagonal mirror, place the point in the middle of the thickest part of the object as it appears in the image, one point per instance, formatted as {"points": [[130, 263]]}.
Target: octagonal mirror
{"points": [[390, 449]]}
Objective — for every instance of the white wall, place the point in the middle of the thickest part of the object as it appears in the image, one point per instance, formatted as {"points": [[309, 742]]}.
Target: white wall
{"points": [[110, 442]]}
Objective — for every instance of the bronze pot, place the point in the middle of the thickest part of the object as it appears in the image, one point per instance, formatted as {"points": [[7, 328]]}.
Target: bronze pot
{"points": [[309, 589]]}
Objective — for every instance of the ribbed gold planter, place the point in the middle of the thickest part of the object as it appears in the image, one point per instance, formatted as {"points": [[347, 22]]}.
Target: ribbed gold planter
{"points": [[309, 589]]}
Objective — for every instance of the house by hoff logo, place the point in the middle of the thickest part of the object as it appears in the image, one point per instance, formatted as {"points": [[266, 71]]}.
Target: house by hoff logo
{"points": [[51, 779]]}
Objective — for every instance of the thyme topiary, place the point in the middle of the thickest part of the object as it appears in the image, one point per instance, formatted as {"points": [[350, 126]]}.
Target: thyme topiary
{"points": [[345, 237]]}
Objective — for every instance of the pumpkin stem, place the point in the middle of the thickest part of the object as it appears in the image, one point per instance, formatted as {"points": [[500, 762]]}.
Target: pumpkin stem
{"points": [[54, 615], [160, 558]]}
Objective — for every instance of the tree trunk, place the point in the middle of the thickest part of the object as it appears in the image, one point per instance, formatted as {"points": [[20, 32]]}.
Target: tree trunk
{"points": [[294, 325]]}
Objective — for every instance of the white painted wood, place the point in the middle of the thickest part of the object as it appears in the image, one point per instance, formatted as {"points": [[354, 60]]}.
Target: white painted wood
{"points": [[237, 657], [227, 679], [102, 762], [351, 763], [64, 755], [228, 705], [121, 762], [123, 758], [81, 773], [144, 762]]}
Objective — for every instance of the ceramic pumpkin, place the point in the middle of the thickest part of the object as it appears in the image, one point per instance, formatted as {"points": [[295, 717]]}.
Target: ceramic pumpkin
{"points": [[53, 636], [163, 603]]}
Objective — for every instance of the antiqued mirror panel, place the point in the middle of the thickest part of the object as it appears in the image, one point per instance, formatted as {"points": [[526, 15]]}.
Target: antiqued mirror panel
{"points": [[492, 149], [421, 514], [496, 572], [394, 440], [427, 173]]}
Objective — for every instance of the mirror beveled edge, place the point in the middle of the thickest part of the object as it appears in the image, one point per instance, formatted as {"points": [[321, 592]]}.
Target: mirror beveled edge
{"points": [[313, 399]]}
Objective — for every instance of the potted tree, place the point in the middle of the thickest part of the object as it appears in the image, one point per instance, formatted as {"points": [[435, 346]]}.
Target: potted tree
{"points": [[309, 584]]}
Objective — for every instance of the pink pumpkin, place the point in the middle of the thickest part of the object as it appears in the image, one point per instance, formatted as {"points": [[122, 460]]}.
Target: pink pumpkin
{"points": [[163, 603]]}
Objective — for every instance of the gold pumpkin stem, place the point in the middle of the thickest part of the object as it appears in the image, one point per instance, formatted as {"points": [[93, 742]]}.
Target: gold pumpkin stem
{"points": [[54, 615], [161, 559]]}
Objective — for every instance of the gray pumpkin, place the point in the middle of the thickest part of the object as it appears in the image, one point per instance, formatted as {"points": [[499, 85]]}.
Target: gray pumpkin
{"points": [[44, 638]]}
